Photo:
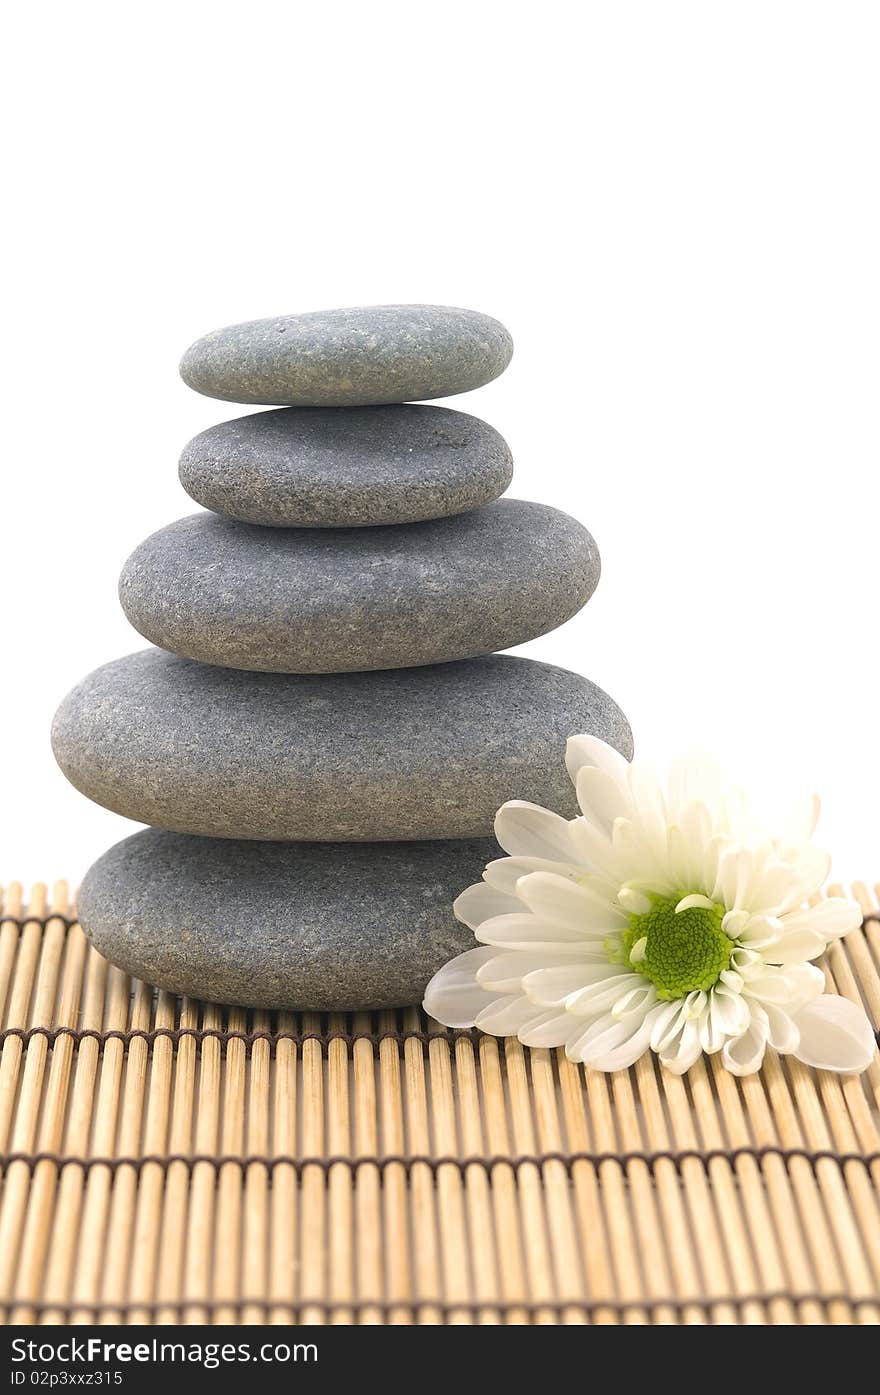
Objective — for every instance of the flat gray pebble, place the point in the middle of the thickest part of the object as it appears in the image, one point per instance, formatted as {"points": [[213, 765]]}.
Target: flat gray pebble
{"points": [[307, 927], [317, 600], [346, 467], [354, 357], [406, 753]]}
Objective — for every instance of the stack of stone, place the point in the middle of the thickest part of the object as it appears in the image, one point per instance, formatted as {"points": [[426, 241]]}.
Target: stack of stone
{"points": [[323, 736]]}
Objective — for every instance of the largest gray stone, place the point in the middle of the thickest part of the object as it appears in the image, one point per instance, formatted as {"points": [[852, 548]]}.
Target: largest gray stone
{"points": [[346, 467], [349, 358], [303, 926], [318, 600], [407, 753]]}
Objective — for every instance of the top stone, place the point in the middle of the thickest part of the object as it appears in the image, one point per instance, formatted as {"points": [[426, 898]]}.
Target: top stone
{"points": [[360, 357]]}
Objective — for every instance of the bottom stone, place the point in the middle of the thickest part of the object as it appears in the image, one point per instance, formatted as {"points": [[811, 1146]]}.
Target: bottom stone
{"points": [[310, 927]]}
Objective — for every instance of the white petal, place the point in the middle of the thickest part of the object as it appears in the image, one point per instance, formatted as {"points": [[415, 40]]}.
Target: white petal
{"points": [[453, 996], [734, 922], [531, 932], [504, 972], [551, 986], [680, 1055], [759, 930], [667, 1024], [649, 804], [646, 861], [696, 833], [551, 1028], [636, 1001], [505, 1016], [728, 1016], [594, 849], [481, 902], [790, 987], [609, 1044], [809, 868], [743, 1055], [769, 888], [677, 855], [639, 950], [783, 1033], [696, 1003], [835, 1034], [504, 872], [634, 902], [795, 947], [749, 881], [527, 830], [688, 903], [601, 798], [736, 868], [589, 750], [601, 996], [747, 963], [713, 1033], [711, 854], [562, 902], [831, 918]]}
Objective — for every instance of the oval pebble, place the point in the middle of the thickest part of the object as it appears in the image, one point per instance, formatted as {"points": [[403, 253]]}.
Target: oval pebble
{"points": [[307, 927], [346, 467], [355, 357], [404, 754], [307, 600]]}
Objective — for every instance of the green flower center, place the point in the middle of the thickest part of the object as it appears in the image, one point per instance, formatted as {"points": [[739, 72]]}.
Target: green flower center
{"points": [[677, 952]]}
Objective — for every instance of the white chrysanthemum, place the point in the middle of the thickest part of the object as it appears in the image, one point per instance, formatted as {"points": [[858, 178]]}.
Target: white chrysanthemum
{"points": [[658, 920]]}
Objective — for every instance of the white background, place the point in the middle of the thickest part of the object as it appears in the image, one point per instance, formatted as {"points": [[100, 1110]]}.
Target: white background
{"points": [[673, 207]]}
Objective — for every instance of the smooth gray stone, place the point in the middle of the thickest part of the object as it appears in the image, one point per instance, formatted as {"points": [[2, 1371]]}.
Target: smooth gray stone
{"points": [[350, 358], [406, 753], [346, 467], [310, 927], [318, 600]]}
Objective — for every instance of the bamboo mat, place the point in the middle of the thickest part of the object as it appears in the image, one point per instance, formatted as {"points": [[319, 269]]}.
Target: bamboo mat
{"points": [[168, 1161]]}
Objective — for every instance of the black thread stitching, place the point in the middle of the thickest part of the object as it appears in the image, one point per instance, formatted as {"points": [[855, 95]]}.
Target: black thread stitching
{"points": [[224, 1035], [386, 1306], [409, 1162], [21, 921], [200, 1034]]}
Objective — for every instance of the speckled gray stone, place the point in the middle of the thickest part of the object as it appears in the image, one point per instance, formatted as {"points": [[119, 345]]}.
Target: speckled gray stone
{"points": [[406, 753], [317, 600], [346, 467], [350, 358], [309, 927]]}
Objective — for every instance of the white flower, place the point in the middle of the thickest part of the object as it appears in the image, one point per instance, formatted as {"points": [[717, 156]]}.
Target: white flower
{"points": [[658, 919]]}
